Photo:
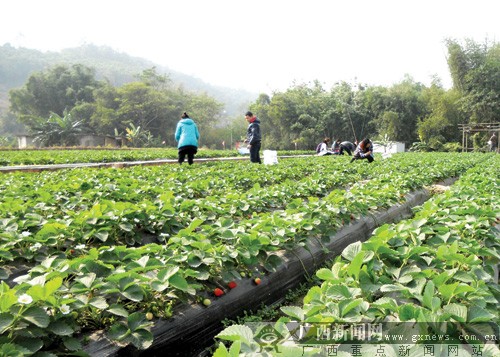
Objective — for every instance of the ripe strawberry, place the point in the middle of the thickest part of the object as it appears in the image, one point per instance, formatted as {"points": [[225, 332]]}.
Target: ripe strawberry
{"points": [[218, 292], [257, 281], [232, 285]]}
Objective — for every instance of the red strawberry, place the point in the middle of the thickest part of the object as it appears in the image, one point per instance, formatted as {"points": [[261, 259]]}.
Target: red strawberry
{"points": [[232, 285], [218, 292], [256, 281]]}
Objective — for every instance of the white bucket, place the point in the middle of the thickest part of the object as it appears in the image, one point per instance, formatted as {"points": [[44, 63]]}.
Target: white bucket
{"points": [[270, 157]]}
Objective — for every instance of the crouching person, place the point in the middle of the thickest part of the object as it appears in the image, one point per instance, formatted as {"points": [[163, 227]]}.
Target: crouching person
{"points": [[364, 150]]}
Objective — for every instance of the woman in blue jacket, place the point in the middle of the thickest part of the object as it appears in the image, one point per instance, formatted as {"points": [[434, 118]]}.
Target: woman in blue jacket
{"points": [[187, 135]]}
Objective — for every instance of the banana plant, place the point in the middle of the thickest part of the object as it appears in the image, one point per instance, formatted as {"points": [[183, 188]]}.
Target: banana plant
{"points": [[57, 130]]}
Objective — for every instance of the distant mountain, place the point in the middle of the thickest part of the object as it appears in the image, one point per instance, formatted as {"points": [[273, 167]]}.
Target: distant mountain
{"points": [[17, 64]]}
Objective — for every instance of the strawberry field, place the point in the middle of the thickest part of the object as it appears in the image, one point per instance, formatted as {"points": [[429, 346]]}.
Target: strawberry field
{"points": [[120, 250], [65, 156], [433, 275], [92, 155]]}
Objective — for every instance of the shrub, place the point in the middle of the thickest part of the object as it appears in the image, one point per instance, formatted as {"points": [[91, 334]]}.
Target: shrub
{"points": [[452, 147]]}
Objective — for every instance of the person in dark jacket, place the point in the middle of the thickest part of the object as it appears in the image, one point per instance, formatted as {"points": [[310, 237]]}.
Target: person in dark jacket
{"points": [[346, 146], [253, 137], [364, 151], [187, 135]]}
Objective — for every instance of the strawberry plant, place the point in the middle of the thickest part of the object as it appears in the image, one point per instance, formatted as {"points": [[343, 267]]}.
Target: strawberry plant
{"points": [[92, 230], [436, 271]]}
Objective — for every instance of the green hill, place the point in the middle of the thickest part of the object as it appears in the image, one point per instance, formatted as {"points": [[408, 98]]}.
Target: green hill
{"points": [[17, 64]]}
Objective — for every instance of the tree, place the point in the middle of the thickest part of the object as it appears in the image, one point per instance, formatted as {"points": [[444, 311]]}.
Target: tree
{"points": [[154, 80], [57, 130], [388, 124], [102, 113], [207, 113], [152, 108], [402, 108], [349, 116], [135, 136], [475, 71], [292, 116], [441, 124], [56, 91], [142, 105]]}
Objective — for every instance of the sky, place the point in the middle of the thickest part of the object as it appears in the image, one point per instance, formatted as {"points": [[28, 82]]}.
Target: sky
{"points": [[263, 45]]}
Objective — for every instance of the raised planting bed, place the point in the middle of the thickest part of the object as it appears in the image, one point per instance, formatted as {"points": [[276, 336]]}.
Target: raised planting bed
{"points": [[117, 164], [194, 326], [216, 221], [53, 159], [426, 286]]}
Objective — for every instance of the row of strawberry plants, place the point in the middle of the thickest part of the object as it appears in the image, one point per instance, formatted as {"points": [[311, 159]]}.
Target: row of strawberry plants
{"points": [[74, 208], [67, 156], [50, 157], [438, 270], [49, 235], [115, 285], [189, 182]]}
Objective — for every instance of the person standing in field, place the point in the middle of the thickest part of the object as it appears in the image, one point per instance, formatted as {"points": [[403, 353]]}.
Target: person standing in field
{"points": [[493, 142], [364, 151], [254, 137], [187, 135]]}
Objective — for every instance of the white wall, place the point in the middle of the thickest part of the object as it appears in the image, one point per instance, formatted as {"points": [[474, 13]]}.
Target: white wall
{"points": [[25, 141], [392, 148]]}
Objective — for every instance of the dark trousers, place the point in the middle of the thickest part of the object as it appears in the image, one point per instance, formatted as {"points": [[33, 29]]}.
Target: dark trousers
{"points": [[254, 152], [189, 151], [369, 158], [344, 148]]}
